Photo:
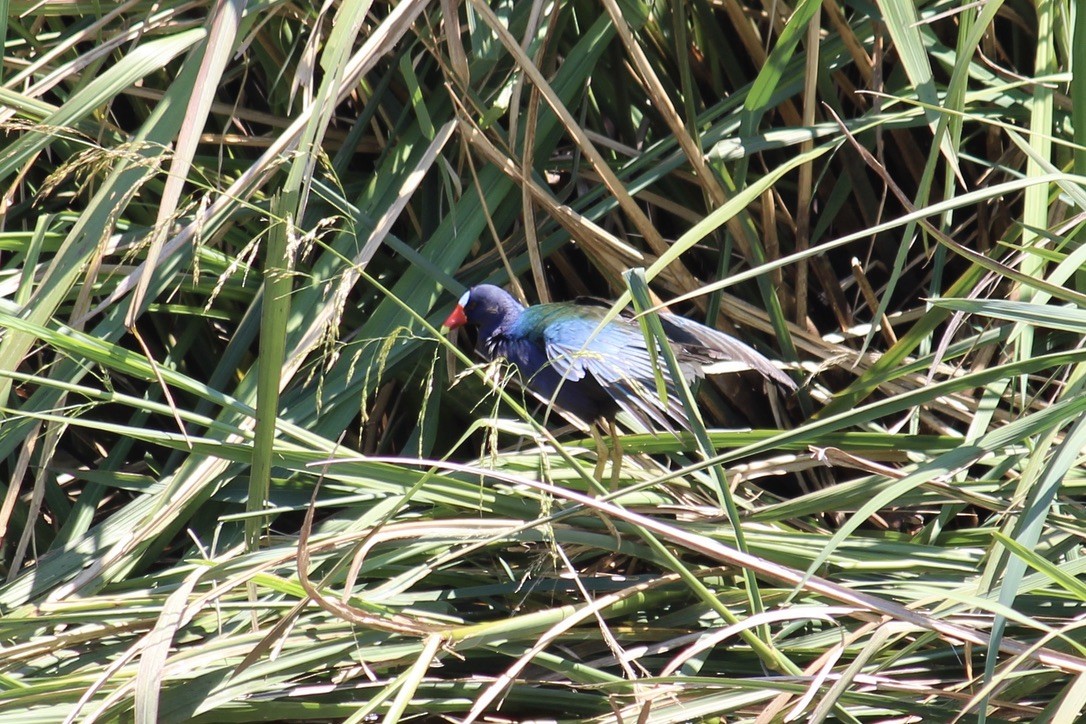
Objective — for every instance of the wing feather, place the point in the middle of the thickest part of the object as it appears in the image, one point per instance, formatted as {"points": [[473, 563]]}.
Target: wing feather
{"points": [[619, 361], [617, 358], [717, 347]]}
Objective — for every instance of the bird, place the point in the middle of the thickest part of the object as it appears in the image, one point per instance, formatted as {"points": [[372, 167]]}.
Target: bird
{"points": [[592, 372]]}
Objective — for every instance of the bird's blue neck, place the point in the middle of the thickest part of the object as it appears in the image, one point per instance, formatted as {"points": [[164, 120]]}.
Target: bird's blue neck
{"points": [[499, 317]]}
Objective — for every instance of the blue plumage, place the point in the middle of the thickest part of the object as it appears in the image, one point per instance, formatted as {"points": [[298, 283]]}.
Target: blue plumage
{"points": [[565, 357]]}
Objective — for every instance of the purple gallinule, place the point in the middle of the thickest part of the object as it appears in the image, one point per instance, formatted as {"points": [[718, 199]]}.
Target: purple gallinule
{"points": [[591, 374]]}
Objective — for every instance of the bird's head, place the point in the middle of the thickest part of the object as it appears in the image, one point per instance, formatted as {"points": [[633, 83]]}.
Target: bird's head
{"points": [[485, 306]]}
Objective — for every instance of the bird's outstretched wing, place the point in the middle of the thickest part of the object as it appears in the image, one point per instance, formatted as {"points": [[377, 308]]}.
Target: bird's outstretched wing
{"points": [[618, 360]]}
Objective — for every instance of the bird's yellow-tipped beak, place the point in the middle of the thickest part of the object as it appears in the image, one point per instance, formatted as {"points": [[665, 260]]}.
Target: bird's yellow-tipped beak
{"points": [[457, 318]]}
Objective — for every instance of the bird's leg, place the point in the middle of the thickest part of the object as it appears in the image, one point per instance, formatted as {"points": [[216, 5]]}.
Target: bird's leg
{"points": [[603, 453], [616, 453]]}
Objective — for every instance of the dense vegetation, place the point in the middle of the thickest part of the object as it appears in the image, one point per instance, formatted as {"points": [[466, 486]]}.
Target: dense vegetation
{"points": [[245, 478]]}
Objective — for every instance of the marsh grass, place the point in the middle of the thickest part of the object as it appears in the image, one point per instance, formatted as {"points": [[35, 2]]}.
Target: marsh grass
{"points": [[230, 232]]}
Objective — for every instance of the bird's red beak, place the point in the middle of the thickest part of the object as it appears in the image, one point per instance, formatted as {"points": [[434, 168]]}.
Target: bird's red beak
{"points": [[457, 318]]}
